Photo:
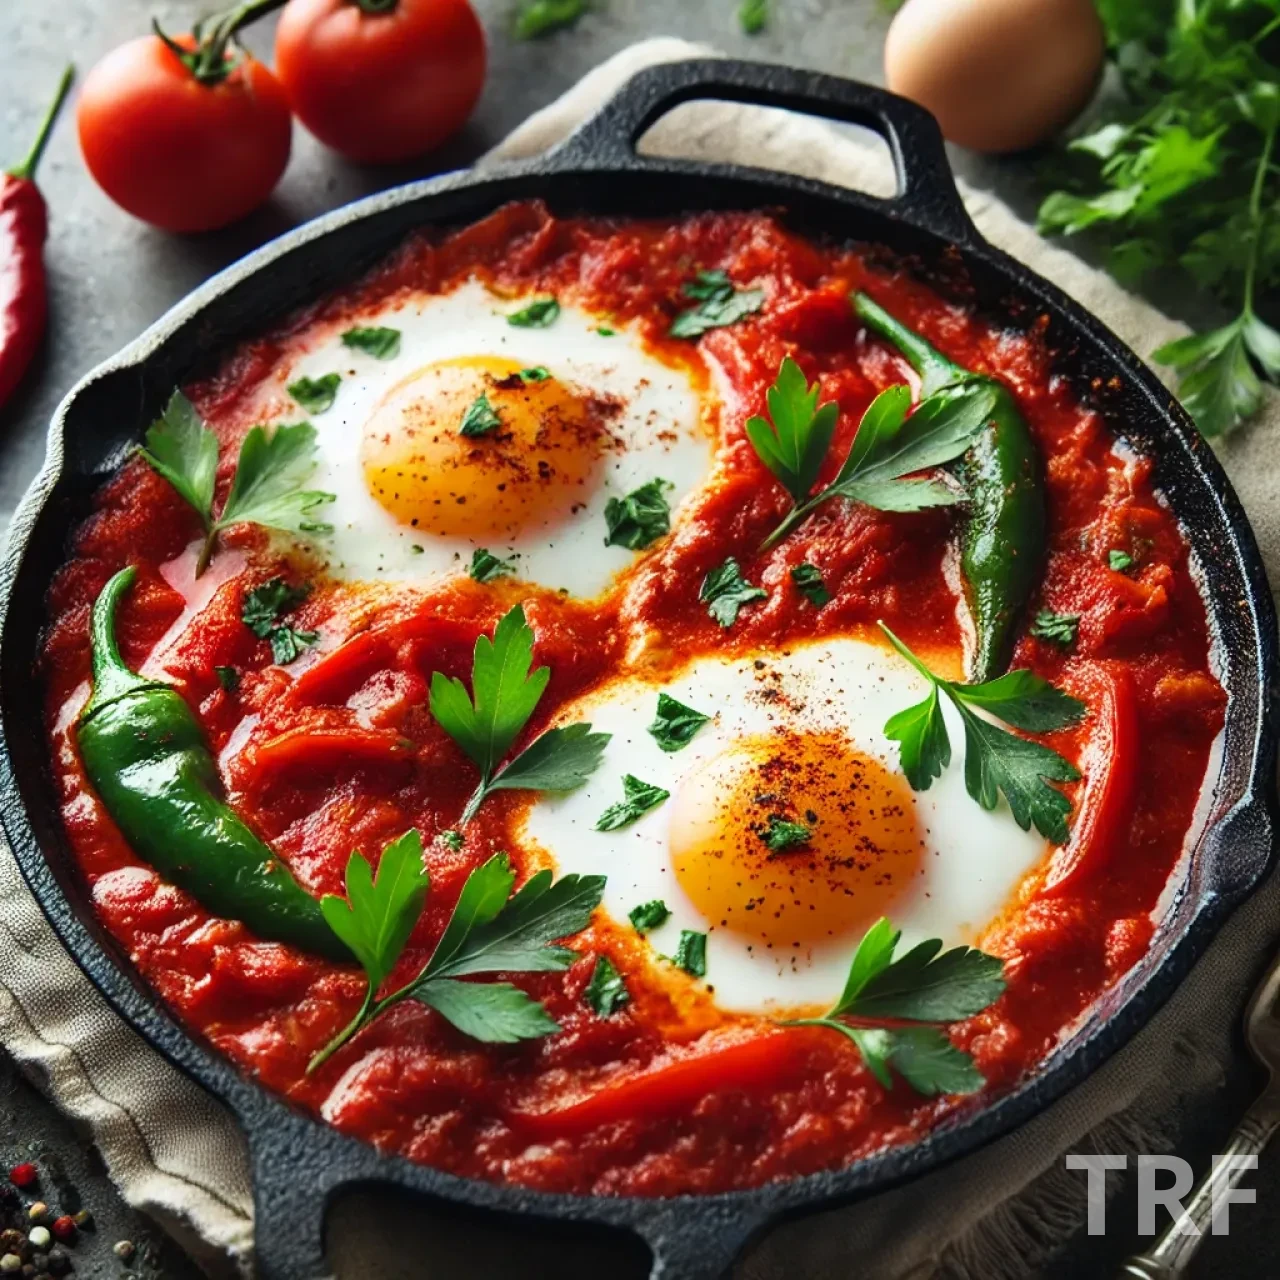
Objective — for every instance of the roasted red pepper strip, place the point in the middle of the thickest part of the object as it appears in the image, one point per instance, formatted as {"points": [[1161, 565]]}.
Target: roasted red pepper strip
{"points": [[677, 1084], [322, 750], [1111, 769], [24, 303]]}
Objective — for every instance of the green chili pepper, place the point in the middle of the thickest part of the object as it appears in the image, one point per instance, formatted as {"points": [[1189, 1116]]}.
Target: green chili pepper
{"points": [[1003, 542], [149, 762]]}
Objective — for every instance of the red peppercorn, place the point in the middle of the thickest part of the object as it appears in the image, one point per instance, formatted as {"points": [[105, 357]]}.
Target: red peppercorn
{"points": [[23, 1175], [64, 1227]]}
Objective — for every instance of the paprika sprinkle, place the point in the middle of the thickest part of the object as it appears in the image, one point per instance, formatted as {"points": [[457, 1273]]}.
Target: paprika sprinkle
{"points": [[23, 228]]}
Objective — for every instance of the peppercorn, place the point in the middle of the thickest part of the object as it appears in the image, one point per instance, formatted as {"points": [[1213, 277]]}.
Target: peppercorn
{"points": [[10, 1262], [59, 1261], [38, 1211], [23, 1175], [40, 1238], [12, 1241], [64, 1227], [123, 1249]]}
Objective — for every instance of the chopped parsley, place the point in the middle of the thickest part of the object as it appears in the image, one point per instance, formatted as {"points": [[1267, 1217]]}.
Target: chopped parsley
{"points": [[539, 373], [228, 678], [1119, 560], [674, 724], [782, 836], [808, 580], [485, 566], [480, 418], [539, 18], [605, 332], [452, 839], [261, 612], [639, 519], [724, 591], [316, 395], [380, 343], [649, 915], [638, 798], [753, 16], [1057, 628], [538, 314], [718, 304], [607, 992], [691, 954]]}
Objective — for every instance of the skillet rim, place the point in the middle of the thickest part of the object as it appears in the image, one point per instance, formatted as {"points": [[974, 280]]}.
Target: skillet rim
{"points": [[680, 1229]]}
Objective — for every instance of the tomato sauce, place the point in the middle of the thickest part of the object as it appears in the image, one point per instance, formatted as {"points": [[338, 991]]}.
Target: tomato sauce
{"points": [[338, 751]]}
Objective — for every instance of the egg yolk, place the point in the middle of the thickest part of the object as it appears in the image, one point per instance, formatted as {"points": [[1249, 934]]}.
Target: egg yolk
{"points": [[530, 470], [794, 839]]}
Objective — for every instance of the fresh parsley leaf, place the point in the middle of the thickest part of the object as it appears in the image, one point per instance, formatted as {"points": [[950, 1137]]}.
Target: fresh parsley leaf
{"points": [[924, 986], [480, 418], [753, 16], [264, 605], [674, 724], [808, 580], [185, 452], [639, 519], [266, 488], [287, 644], [485, 566], [316, 395], [724, 591], [638, 798], [539, 373], [452, 839], [1057, 628], [538, 314], [505, 694], [380, 343], [691, 953], [649, 915], [379, 913], [889, 445], [996, 761], [719, 304], [1119, 561], [490, 931], [782, 836], [228, 678], [538, 18], [607, 992], [793, 441]]}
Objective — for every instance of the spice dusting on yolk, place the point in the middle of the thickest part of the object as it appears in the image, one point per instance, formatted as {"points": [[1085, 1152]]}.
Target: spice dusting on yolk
{"points": [[863, 850], [530, 472]]}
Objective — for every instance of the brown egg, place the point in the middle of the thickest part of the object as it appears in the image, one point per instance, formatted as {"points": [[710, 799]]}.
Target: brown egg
{"points": [[1000, 75]]}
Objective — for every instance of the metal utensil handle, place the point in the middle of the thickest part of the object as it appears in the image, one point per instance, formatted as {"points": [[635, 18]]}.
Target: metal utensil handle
{"points": [[926, 190], [1172, 1253]]}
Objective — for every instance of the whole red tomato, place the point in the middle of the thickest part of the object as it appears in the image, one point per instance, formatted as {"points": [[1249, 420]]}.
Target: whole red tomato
{"points": [[381, 80], [177, 151]]}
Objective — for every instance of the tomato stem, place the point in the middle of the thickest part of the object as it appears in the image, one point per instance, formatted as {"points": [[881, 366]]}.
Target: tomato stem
{"points": [[208, 61], [27, 169]]}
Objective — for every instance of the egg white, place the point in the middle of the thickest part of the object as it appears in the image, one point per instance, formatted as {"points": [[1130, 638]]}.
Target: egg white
{"points": [[661, 428], [973, 859]]}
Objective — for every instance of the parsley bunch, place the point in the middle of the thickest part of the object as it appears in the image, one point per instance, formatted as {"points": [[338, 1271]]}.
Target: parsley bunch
{"points": [[1181, 174], [490, 931], [923, 988], [266, 488]]}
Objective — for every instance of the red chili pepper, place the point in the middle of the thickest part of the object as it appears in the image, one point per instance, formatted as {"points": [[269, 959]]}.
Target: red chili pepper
{"points": [[23, 228]]}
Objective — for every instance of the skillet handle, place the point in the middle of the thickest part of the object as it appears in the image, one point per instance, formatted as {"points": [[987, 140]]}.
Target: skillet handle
{"points": [[926, 192], [702, 1239]]}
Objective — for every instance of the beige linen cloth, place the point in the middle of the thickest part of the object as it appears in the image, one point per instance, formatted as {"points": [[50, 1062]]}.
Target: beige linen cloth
{"points": [[177, 1155]]}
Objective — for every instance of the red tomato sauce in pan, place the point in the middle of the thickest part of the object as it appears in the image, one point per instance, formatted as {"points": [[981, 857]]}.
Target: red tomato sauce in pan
{"points": [[339, 752]]}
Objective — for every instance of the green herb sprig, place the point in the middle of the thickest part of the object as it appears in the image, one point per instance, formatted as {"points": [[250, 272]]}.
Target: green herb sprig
{"points": [[924, 987], [1179, 173], [641, 518], [490, 931], [794, 440], [266, 488], [486, 722], [996, 761]]}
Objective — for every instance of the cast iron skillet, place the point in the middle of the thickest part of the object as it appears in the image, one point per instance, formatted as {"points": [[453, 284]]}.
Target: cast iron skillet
{"points": [[299, 1163]]}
